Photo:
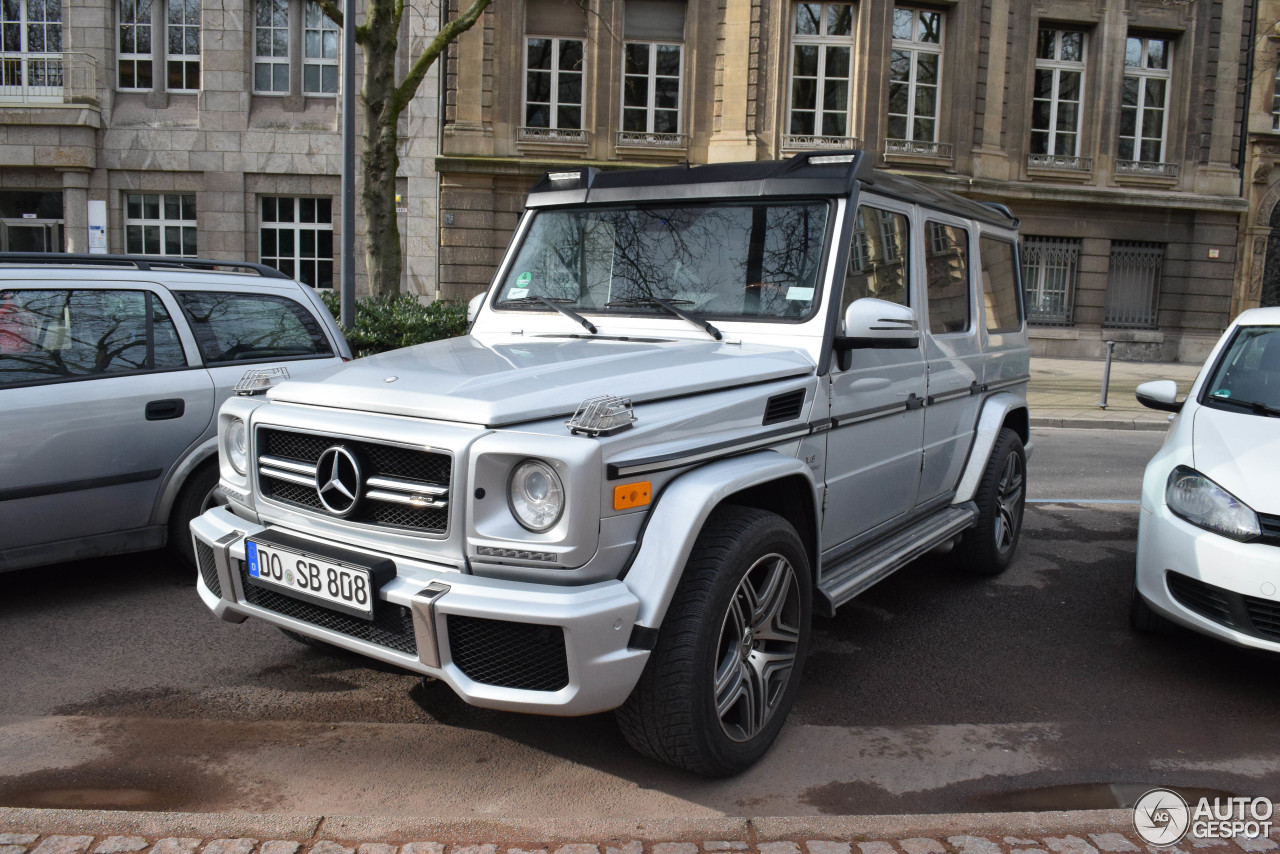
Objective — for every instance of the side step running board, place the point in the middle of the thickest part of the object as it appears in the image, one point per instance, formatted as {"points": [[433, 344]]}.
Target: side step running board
{"points": [[845, 579]]}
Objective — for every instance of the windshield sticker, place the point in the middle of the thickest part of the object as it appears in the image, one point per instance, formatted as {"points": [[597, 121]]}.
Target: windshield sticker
{"points": [[800, 294], [524, 279], [517, 293], [1222, 392]]}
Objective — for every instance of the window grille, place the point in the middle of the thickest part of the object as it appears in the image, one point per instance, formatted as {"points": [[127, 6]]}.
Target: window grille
{"points": [[1050, 266], [1133, 285]]}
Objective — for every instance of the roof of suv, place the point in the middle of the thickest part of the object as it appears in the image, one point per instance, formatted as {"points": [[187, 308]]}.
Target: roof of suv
{"points": [[824, 173], [136, 262]]}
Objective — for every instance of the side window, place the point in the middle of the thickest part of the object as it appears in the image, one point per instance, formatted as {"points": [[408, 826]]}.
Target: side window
{"points": [[999, 286], [946, 268], [233, 327], [878, 265], [67, 334]]}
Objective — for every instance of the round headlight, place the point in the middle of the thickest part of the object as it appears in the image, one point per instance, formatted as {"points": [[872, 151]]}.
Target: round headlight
{"points": [[237, 446], [536, 495]]}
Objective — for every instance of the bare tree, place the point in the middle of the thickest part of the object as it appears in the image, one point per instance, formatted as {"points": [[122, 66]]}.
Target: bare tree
{"points": [[384, 99]]}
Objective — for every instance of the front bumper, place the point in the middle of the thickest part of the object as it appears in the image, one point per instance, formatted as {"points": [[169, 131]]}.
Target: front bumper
{"points": [[1209, 583], [486, 638]]}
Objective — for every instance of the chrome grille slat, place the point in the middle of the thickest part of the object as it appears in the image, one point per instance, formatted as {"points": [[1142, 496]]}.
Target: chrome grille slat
{"points": [[300, 479], [398, 485], [400, 498], [287, 465]]}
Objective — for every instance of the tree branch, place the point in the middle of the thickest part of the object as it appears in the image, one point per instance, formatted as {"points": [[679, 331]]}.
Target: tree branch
{"points": [[331, 10], [443, 39]]}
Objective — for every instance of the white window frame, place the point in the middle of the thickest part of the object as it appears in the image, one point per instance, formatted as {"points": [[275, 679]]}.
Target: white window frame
{"points": [[162, 26], [1057, 67], [273, 61], [296, 226], [1143, 73], [822, 41], [162, 225], [1275, 98], [329, 38], [176, 21], [35, 75], [140, 22], [916, 49], [553, 107], [651, 78]]}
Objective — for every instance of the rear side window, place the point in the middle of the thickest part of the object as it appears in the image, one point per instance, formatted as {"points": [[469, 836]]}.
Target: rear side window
{"points": [[238, 327], [999, 286], [59, 334], [946, 266]]}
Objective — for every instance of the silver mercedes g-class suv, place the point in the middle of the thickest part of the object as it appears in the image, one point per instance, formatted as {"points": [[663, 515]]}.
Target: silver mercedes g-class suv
{"points": [[696, 406]]}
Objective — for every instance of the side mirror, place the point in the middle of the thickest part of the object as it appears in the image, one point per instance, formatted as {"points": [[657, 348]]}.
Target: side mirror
{"points": [[876, 324], [1159, 394], [473, 307]]}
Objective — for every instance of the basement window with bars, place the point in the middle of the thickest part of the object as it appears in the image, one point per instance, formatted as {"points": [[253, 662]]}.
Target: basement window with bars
{"points": [[1050, 267], [1133, 285]]}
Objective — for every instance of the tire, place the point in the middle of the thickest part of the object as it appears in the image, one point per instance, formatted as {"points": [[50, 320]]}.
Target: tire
{"points": [[198, 494], [1144, 619], [715, 644], [988, 547]]}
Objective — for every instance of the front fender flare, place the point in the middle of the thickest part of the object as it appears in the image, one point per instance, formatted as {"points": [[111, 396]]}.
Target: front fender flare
{"points": [[678, 518]]}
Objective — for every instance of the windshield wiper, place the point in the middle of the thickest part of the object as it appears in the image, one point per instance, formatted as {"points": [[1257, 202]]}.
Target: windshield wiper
{"points": [[670, 306], [1254, 406], [556, 303]]}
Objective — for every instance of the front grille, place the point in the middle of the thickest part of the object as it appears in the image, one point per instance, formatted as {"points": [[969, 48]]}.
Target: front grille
{"points": [[509, 655], [208, 565], [1265, 616], [1270, 529], [391, 627], [1205, 599], [410, 470]]}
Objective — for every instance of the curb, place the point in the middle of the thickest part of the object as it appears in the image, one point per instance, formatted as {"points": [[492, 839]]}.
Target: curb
{"points": [[1099, 423]]}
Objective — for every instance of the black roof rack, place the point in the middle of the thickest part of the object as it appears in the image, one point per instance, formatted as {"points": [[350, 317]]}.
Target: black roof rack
{"points": [[139, 262]]}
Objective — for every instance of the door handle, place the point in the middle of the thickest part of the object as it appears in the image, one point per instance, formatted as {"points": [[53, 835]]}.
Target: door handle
{"points": [[164, 410]]}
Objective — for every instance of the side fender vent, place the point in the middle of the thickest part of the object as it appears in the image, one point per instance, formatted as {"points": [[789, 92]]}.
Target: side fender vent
{"points": [[783, 407]]}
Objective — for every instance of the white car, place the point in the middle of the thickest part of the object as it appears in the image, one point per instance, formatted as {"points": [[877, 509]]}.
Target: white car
{"points": [[1209, 531]]}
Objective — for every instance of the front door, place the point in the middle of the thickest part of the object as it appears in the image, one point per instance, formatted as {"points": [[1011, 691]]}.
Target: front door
{"points": [[30, 235]]}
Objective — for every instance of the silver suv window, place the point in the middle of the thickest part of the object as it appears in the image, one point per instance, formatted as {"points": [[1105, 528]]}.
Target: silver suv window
{"points": [[58, 334], [240, 327], [725, 260]]}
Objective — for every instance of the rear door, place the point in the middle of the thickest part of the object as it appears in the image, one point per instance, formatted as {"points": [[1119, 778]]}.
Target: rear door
{"points": [[100, 395]]}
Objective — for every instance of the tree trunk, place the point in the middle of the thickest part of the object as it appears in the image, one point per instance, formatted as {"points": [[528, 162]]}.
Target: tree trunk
{"points": [[381, 160]]}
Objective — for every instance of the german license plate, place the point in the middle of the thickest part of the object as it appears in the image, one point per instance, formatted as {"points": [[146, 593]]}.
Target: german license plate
{"points": [[341, 586]]}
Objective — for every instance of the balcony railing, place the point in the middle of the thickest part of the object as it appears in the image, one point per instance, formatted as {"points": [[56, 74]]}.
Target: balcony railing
{"points": [[918, 148], [48, 78], [641, 139], [793, 142], [562, 136], [1060, 161], [1149, 170]]}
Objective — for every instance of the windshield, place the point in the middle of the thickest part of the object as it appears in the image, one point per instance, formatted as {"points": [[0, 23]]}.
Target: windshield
{"points": [[1247, 377], [752, 261]]}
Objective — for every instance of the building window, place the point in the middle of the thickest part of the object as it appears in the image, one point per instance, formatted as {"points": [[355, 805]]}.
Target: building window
{"points": [[135, 57], [160, 224], [296, 237], [1275, 99], [1144, 107], [821, 57], [915, 66], [652, 66], [1050, 266], [271, 46], [553, 83], [31, 31], [320, 52], [1133, 285], [1055, 110], [183, 51]]}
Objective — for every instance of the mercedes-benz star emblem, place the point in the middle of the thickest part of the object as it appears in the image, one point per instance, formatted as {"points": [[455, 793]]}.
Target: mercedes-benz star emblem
{"points": [[338, 480]]}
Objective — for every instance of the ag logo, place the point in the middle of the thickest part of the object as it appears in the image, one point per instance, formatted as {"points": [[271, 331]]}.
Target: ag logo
{"points": [[1161, 817]]}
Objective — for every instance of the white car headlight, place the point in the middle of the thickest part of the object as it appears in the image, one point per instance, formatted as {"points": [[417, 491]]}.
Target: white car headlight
{"points": [[236, 446], [1203, 503], [536, 495]]}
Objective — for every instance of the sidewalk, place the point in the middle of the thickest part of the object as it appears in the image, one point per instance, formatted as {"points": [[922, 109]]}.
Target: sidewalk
{"points": [[31, 831], [1065, 393]]}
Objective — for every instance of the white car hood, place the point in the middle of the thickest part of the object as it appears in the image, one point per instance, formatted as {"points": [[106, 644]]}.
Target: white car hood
{"points": [[1241, 453]]}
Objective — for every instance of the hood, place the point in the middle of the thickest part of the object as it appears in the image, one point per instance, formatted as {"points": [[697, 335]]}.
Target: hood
{"points": [[518, 378], [1241, 453]]}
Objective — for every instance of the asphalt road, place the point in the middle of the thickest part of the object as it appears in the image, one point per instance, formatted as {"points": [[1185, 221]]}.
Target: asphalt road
{"points": [[934, 692]]}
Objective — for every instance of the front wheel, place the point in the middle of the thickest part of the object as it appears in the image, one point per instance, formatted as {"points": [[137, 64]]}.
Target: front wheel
{"points": [[723, 676], [988, 547]]}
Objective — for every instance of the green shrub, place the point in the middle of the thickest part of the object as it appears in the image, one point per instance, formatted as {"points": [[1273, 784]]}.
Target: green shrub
{"points": [[388, 323]]}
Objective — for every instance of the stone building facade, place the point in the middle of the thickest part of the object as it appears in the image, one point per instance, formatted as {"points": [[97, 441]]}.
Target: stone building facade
{"points": [[1112, 128], [1260, 234], [207, 127]]}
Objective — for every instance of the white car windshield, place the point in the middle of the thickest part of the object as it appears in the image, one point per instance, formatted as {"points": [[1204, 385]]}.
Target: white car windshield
{"points": [[1247, 377], [749, 261]]}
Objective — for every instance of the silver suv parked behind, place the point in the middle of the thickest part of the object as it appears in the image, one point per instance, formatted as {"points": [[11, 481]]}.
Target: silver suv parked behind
{"points": [[696, 406], [111, 370]]}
